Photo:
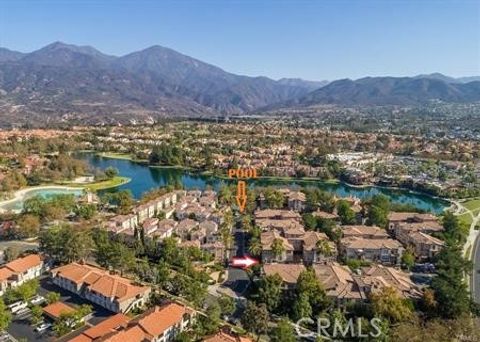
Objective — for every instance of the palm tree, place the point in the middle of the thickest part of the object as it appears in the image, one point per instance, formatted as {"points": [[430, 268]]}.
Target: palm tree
{"points": [[277, 247], [227, 240], [324, 248], [228, 219], [247, 223], [255, 247]]}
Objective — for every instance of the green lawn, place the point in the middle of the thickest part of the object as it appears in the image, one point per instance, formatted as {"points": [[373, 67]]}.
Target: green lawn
{"points": [[126, 156], [465, 218], [472, 205], [112, 183]]}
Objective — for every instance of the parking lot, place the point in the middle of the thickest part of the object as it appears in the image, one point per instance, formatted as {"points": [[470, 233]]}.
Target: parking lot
{"points": [[21, 327]]}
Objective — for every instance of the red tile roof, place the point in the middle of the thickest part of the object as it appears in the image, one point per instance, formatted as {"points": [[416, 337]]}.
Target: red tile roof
{"points": [[100, 281], [107, 326], [56, 309]]}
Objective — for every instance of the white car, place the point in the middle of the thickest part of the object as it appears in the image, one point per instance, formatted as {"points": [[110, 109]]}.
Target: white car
{"points": [[43, 327], [37, 300], [18, 306], [23, 311]]}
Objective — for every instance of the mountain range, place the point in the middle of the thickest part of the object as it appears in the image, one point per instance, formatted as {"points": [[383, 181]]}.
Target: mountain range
{"points": [[81, 84]]}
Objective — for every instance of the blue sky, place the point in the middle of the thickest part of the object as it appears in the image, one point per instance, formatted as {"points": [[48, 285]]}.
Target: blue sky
{"points": [[309, 39]]}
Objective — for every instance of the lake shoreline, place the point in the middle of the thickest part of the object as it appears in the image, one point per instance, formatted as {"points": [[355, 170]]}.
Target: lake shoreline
{"points": [[275, 178]]}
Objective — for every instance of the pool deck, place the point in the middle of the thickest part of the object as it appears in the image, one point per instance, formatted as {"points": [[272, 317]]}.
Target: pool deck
{"points": [[19, 195]]}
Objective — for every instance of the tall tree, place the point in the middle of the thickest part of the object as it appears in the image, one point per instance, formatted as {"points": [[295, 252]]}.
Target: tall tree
{"points": [[388, 303], [345, 212], [270, 291], [283, 332], [278, 248], [5, 316], [255, 319]]}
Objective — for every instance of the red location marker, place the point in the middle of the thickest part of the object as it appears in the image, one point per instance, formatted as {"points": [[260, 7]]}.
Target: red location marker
{"points": [[243, 262]]}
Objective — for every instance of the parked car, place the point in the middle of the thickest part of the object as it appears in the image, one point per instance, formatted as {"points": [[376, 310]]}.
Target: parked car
{"points": [[42, 327], [22, 311], [37, 300], [15, 307]]}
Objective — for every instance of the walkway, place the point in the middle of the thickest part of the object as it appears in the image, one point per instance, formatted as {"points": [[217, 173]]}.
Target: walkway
{"points": [[471, 250]]}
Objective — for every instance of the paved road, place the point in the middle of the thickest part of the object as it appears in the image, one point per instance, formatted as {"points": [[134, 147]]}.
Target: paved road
{"points": [[475, 278], [238, 280], [472, 244]]}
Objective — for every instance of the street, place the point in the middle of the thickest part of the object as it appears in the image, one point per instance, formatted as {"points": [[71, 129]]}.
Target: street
{"points": [[475, 278]]}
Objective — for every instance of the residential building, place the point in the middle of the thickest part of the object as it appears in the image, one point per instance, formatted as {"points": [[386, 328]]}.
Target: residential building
{"points": [[288, 272], [424, 246], [386, 251], [268, 240], [55, 310], [365, 232], [338, 282], [217, 249], [312, 248], [20, 270], [97, 285], [107, 327], [159, 324], [375, 277], [396, 218], [297, 201], [226, 336]]}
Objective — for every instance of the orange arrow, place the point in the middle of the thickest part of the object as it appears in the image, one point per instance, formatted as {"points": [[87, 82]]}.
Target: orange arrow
{"points": [[241, 195]]}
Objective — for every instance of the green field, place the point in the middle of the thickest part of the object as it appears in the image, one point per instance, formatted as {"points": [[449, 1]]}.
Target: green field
{"points": [[111, 183], [115, 155], [472, 205]]}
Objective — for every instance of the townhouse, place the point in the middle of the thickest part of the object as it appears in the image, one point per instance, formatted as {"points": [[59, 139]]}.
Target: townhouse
{"points": [[108, 326], [414, 229], [314, 249], [144, 212], [397, 218], [343, 286], [385, 251], [158, 324], [338, 281], [424, 246], [375, 277], [275, 248], [226, 336], [184, 227], [297, 201], [115, 293], [276, 214], [289, 273], [20, 270], [297, 244], [165, 229], [365, 232]]}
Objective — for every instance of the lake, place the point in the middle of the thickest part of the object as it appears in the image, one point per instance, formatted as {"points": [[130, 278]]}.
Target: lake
{"points": [[145, 178]]}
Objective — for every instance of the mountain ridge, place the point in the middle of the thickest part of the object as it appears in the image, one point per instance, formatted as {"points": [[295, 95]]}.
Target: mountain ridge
{"points": [[65, 82]]}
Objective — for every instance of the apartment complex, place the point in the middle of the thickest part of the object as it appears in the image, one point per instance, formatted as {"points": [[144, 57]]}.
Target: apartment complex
{"points": [[20, 270], [110, 291], [158, 324]]}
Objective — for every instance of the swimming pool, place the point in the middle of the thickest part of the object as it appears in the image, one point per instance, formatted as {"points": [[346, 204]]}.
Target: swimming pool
{"points": [[16, 204]]}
